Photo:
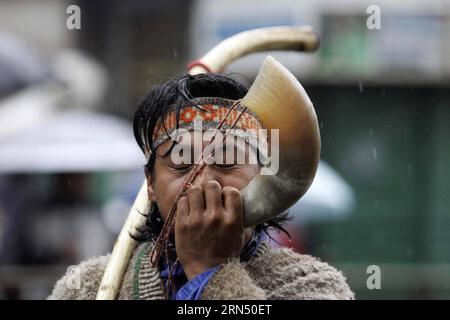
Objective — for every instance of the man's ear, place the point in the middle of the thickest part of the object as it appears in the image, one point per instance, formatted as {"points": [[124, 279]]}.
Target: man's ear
{"points": [[150, 190]]}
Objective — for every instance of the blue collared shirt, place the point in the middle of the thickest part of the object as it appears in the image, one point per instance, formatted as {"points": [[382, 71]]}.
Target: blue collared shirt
{"points": [[192, 290]]}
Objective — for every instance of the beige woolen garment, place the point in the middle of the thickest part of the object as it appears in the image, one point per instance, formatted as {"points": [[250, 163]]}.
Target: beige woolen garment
{"points": [[269, 274]]}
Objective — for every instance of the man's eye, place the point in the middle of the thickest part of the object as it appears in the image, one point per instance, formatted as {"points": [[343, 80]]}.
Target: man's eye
{"points": [[225, 165], [182, 167]]}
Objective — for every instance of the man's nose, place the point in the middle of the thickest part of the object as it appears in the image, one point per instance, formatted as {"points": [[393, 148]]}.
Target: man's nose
{"points": [[207, 174]]}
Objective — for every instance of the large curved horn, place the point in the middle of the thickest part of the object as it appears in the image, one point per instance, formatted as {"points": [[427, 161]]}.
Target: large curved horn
{"points": [[295, 38], [281, 103]]}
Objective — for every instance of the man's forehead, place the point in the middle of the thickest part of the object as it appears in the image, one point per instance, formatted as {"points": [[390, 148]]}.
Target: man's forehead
{"points": [[203, 113], [191, 139]]}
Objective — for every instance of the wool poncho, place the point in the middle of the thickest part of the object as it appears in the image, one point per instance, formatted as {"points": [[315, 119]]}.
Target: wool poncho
{"points": [[270, 274]]}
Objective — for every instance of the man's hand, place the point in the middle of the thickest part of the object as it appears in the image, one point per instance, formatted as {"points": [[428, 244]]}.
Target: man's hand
{"points": [[209, 227]]}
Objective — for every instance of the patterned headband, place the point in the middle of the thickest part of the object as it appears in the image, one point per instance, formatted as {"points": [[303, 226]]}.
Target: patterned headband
{"points": [[210, 112]]}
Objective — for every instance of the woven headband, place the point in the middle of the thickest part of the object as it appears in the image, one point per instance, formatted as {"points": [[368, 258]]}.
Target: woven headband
{"points": [[210, 112]]}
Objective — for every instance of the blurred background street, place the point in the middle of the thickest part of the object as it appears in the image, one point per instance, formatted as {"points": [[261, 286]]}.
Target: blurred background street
{"points": [[70, 168]]}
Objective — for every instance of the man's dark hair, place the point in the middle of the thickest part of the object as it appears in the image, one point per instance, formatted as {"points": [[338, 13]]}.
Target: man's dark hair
{"points": [[158, 103]]}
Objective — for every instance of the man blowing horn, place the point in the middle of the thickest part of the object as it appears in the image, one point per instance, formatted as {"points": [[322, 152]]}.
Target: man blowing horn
{"points": [[210, 253]]}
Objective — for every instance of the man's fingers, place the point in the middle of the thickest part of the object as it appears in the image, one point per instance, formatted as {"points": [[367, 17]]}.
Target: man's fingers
{"points": [[183, 207], [196, 200], [213, 195], [182, 213], [233, 204]]}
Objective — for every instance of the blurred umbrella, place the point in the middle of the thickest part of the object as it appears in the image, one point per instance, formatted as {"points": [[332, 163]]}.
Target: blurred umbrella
{"points": [[72, 141], [30, 106], [20, 66], [33, 89], [40, 129], [329, 197]]}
